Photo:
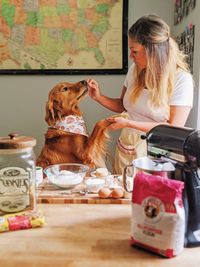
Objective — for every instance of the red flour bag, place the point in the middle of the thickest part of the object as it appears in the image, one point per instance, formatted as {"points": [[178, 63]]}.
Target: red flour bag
{"points": [[158, 215]]}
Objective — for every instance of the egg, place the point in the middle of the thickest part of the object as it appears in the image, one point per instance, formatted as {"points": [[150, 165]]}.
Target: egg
{"points": [[117, 193], [104, 192]]}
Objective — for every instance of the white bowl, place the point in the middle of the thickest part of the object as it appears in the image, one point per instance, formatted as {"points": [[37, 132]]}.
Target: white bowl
{"points": [[66, 175], [114, 180], [100, 174], [94, 184]]}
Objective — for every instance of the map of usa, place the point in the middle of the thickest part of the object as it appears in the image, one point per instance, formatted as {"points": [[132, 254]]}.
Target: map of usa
{"points": [[61, 34]]}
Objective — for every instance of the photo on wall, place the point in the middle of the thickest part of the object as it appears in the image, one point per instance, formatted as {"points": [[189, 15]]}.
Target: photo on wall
{"points": [[186, 43], [182, 8]]}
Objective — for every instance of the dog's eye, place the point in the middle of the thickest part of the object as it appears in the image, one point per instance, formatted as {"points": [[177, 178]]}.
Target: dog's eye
{"points": [[65, 89]]}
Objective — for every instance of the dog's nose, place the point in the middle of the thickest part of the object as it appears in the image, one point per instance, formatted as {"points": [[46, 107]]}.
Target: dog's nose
{"points": [[84, 82]]}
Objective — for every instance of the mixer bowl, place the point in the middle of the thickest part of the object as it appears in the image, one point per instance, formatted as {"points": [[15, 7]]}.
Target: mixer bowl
{"points": [[147, 165]]}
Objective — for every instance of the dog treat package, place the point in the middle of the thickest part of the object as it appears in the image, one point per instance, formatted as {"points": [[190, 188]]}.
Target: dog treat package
{"points": [[21, 220], [158, 215]]}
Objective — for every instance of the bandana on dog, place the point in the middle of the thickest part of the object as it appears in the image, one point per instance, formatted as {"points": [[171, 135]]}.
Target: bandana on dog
{"points": [[72, 124]]}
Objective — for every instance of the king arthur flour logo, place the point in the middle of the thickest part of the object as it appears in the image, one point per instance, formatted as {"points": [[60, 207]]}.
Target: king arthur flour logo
{"points": [[152, 209]]}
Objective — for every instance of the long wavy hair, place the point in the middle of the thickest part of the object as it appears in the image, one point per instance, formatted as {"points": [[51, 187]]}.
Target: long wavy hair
{"points": [[163, 59]]}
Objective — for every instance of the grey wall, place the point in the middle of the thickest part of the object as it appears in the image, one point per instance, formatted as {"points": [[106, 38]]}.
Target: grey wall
{"points": [[23, 98], [163, 8]]}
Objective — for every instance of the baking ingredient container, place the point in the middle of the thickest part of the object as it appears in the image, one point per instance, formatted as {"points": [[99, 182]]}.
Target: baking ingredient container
{"points": [[17, 174]]}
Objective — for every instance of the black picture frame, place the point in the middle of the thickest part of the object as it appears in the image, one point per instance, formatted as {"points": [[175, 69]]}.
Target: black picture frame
{"points": [[122, 70]]}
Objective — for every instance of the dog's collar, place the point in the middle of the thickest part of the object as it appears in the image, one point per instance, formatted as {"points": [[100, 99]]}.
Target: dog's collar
{"points": [[72, 124]]}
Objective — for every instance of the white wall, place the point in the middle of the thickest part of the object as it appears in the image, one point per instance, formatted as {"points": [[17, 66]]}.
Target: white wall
{"points": [[23, 98]]}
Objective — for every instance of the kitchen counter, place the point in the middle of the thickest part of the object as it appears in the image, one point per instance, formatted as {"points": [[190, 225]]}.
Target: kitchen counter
{"points": [[83, 235], [50, 194]]}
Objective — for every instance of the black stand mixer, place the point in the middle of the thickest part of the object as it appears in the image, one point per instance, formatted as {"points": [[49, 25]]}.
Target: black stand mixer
{"points": [[181, 146]]}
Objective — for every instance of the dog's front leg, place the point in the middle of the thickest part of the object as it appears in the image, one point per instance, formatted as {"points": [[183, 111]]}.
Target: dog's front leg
{"points": [[96, 146]]}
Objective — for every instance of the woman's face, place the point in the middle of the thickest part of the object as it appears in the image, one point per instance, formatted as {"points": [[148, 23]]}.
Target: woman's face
{"points": [[137, 53]]}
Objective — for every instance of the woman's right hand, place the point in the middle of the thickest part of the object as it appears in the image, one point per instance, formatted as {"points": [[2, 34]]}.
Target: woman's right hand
{"points": [[93, 89]]}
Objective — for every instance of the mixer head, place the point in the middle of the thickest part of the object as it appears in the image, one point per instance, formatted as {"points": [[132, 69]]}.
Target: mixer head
{"points": [[175, 143]]}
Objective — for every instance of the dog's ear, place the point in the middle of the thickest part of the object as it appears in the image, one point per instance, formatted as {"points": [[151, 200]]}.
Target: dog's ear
{"points": [[49, 117], [53, 112]]}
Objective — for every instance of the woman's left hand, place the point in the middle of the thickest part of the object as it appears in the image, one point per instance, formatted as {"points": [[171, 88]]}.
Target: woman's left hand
{"points": [[117, 123]]}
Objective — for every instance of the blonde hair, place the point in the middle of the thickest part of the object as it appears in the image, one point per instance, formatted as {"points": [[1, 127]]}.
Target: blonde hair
{"points": [[163, 59]]}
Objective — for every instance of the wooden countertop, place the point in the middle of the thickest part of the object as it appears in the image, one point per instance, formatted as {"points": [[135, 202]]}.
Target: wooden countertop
{"points": [[50, 194], [83, 235]]}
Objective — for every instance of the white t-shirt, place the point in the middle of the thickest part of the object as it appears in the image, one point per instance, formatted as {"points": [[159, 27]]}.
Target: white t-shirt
{"points": [[140, 110]]}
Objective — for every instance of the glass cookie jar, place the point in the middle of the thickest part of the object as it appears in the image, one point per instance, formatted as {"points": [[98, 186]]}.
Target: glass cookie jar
{"points": [[17, 174]]}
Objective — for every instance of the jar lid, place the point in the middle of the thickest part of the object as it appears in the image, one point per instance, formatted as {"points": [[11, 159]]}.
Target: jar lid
{"points": [[14, 141]]}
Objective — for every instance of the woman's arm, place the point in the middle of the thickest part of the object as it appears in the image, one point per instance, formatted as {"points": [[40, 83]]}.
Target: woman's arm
{"points": [[113, 104], [178, 117]]}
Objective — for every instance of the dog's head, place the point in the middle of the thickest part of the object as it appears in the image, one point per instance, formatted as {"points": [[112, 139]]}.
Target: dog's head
{"points": [[64, 99]]}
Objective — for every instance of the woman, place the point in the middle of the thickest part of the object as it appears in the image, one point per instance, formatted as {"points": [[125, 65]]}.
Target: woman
{"points": [[158, 87]]}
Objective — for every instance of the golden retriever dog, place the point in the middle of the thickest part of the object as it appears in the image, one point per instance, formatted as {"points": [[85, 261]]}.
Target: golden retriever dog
{"points": [[66, 140]]}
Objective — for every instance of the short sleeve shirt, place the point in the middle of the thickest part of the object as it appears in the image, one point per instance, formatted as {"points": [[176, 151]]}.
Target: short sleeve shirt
{"points": [[140, 110]]}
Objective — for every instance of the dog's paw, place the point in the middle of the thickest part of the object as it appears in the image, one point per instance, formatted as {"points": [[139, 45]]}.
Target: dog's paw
{"points": [[103, 124]]}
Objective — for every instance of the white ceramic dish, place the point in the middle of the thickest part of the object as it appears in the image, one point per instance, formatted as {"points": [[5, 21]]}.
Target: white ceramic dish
{"points": [[114, 180], [94, 184]]}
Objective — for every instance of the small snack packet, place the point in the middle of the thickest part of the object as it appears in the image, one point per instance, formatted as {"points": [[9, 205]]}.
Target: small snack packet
{"points": [[21, 220]]}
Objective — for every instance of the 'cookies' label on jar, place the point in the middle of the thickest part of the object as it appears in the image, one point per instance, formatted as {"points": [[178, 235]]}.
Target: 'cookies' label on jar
{"points": [[14, 189]]}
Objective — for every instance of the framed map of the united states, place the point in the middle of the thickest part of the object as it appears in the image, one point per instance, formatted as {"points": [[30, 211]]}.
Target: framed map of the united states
{"points": [[63, 36]]}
